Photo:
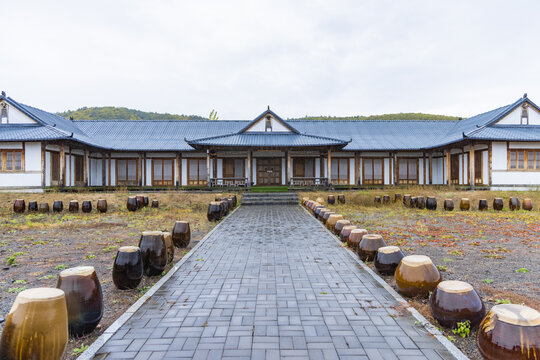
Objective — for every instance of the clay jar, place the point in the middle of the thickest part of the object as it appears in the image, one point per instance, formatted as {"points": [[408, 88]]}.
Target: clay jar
{"points": [[128, 268], [416, 276], [413, 201], [32, 206], [322, 212], [387, 259], [153, 252], [331, 199], [510, 332], [167, 237], [83, 298], [320, 200], [527, 204], [214, 211], [73, 206], [513, 203], [482, 205], [456, 301], [44, 208], [355, 236], [86, 206], [19, 206], [181, 234], [377, 200], [132, 203], [339, 225], [431, 203], [58, 206], [332, 220], [341, 199], [326, 216], [146, 202], [235, 200], [421, 202], [449, 205], [102, 205], [397, 197], [36, 326], [498, 204], [407, 200], [155, 204], [368, 246], [386, 199], [345, 232], [317, 209], [465, 204], [140, 201]]}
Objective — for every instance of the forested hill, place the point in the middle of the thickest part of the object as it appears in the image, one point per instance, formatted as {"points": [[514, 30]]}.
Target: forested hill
{"points": [[111, 112], [399, 116]]}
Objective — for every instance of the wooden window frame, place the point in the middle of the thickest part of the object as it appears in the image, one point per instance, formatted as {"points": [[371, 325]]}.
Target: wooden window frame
{"points": [[526, 153], [234, 169], [303, 161], [198, 182], [54, 182], [478, 167], [163, 182], [78, 172], [127, 182], [3, 163], [407, 181], [372, 181], [454, 168], [338, 180]]}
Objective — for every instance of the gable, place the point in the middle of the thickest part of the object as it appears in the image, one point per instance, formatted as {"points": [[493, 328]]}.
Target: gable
{"points": [[268, 123], [514, 117], [14, 115]]}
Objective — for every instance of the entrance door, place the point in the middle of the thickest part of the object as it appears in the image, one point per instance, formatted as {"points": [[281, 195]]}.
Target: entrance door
{"points": [[268, 171]]}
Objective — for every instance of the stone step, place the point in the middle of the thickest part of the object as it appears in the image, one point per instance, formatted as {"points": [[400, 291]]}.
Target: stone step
{"points": [[270, 199]]}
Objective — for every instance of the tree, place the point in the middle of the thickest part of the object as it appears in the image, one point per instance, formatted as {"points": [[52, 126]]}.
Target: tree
{"points": [[213, 115]]}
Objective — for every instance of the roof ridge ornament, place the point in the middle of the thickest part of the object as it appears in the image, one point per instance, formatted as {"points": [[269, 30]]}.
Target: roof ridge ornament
{"points": [[525, 95]]}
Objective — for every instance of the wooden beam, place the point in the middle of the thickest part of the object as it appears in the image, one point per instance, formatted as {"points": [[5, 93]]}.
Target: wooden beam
{"points": [[448, 169], [249, 172], [431, 167], [103, 171], [62, 165], [43, 164], [329, 167], [85, 167], [471, 165]]}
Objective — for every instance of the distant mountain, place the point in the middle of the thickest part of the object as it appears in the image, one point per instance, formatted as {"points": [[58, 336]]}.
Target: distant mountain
{"points": [[399, 116], [111, 112]]}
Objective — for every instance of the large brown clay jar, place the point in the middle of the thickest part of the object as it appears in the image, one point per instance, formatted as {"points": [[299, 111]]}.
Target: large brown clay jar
{"points": [[416, 276], [86, 206], [320, 200], [316, 210], [36, 326], [102, 205], [19, 206], [397, 197], [332, 220], [153, 252], [331, 199], [128, 268], [465, 204], [326, 216], [339, 225], [431, 203], [355, 237], [377, 200], [73, 206], [44, 208], [345, 232], [140, 201], [155, 204], [498, 204], [84, 299], [448, 204], [527, 204], [32, 206], [387, 259], [386, 199], [58, 206], [421, 202], [407, 200], [322, 212], [513, 203], [456, 301], [167, 237], [132, 203], [510, 332], [181, 234], [413, 201], [341, 199], [146, 202], [368, 246], [235, 200], [483, 205], [214, 211]]}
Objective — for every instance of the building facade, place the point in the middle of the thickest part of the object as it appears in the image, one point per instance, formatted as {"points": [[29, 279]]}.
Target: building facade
{"points": [[499, 149]]}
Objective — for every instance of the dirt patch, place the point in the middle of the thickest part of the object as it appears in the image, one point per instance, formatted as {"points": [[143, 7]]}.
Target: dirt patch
{"points": [[496, 252], [35, 247]]}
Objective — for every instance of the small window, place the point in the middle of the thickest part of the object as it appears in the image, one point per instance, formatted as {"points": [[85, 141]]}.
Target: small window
{"points": [[11, 160], [521, 159], [524, 115], [3, 113], [524, 160]]}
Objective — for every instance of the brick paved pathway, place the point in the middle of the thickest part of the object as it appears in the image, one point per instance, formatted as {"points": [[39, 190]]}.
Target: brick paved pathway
{"points": [[271, 283]]}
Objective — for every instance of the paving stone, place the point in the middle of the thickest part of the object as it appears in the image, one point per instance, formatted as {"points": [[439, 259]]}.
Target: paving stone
{"points": [[272, 284]]}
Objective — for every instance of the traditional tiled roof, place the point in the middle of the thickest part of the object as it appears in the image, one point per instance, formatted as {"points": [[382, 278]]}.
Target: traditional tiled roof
{"points": [[507, 133], [29, 133], [267, 140]]}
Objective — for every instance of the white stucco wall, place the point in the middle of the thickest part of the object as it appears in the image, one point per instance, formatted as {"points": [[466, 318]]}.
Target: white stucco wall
{"points": [[261, 124], [184, 172], [17, 117], [387, 172], [317, 167], [514, 118], [499, 156], [31, 176]]}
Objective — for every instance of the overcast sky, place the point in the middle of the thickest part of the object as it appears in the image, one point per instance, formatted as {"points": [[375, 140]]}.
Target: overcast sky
{"points": [[300, 57]]}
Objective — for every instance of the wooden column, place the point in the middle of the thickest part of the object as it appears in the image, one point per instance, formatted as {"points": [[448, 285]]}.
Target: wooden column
{"points": [[424, 168], [431, 167], [329, 167], [395, 169], [85, 167], [207, 167], [62, 165], [103, 172], [249, 172], [448, 169], [110, 162], [490, 152], [144, 169], [471, 165], [357, 170], [178, 169], [44, 166], [288, 168]]}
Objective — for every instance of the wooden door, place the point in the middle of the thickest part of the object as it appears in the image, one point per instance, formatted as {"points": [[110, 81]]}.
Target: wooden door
{"points": [[268, 171]]}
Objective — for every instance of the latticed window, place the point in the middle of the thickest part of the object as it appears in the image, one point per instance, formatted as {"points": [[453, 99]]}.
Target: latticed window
{"points": [[407, 171], [372, 171], [126, 172], [521, 159], [197, 171], [162, 172], [11, 160], [340, 171]]}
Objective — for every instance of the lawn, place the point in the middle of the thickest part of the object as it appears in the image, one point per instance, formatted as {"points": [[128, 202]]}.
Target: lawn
{"points": [[496, 252], [35, 247]]}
